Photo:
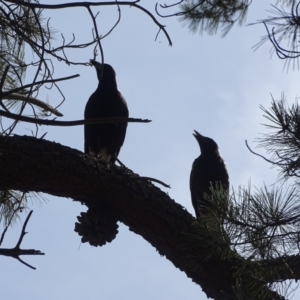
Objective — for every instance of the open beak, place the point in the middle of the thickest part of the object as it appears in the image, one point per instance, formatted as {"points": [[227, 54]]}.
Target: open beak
{"points": [[96, 64], [198, 136]]}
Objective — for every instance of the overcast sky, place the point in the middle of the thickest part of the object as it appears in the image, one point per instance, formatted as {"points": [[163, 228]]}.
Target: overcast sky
{"points": [[211, 84]]}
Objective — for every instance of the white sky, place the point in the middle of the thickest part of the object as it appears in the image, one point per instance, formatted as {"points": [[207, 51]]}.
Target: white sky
{"points": [[203, 82]]}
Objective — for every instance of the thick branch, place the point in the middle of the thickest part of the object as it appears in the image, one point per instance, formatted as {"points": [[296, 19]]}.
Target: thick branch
{"points": [[30, 164]]}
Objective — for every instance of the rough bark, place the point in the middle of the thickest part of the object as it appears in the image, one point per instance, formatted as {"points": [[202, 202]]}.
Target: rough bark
{"points": [[29, 164]]}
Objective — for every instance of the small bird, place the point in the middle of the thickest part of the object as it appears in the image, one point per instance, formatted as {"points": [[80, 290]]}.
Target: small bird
{"points": [[208, 169], [105, 140]]}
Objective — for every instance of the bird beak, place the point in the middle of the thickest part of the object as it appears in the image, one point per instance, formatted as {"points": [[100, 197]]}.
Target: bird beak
{"points": [[96, 64], [198, 136], [200, 139]]}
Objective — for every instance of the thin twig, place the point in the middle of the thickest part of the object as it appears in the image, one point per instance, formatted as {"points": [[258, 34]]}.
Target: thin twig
{"points": [[30, 85], [142, 177], [170, 5], [34, 101], [11, 218], [17, 251], [71, 123], [178, 14], [155, 180], [269, 161], [112, 28], [23, 230], [87, 4], [97, 34], [1, 86]]}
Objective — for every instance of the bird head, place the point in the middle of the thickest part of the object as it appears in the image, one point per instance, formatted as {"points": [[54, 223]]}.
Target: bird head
{"points": [[207, 145], [105, 72]]}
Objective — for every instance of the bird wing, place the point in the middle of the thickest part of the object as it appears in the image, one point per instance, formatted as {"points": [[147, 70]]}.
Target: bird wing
{"points": [[204, 173], [105, 138], [196, 185]]}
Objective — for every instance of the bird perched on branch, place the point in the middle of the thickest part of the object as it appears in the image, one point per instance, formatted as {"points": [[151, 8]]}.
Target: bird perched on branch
{"points": [[105, 140], [208, 170]]}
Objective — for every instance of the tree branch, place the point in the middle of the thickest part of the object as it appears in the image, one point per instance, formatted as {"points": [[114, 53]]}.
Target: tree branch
{"points": [[89, 4], [17, 251], [29, 164], [70, 123], [261, 156], [34, 101], [291, 270], [31, 85]]}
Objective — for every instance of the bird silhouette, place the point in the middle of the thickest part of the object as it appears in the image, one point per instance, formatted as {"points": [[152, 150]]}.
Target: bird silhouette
{"points": [[105, 140], [208, 170], [99, 226]]}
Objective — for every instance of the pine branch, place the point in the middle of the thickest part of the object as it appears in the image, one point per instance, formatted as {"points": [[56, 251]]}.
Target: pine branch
{"points": [[140, 205], [92, 4]]}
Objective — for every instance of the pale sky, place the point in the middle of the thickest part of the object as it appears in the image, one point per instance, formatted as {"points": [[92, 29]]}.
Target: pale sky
{"points": [[211, 84]]}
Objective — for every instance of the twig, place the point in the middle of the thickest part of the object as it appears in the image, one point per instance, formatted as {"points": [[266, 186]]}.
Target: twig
{"points": [[97, 36], [11, 218], [121, 164], [2, 84], [34, 101], [36, 83], [71, 123], [87, 4], [155, 180], [112, 28], [178, 14], [143, 177], [170, 5], [17, 251], [269, 161]]}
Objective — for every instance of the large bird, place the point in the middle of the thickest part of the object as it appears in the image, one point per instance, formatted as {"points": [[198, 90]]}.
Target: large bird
{"points": [[208, 169], [99, 226], [105, 140]]}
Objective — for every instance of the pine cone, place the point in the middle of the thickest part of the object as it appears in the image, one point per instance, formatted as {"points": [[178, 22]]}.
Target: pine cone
{"points": [[96, 227]]}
